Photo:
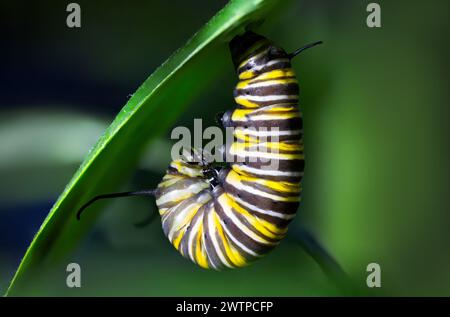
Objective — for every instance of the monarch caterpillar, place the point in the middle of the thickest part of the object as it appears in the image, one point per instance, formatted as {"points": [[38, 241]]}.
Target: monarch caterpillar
{"points": [[227, 217]]}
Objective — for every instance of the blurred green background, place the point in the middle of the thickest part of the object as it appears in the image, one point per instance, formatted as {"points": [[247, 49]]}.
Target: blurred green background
{"points": [[375, 105]]}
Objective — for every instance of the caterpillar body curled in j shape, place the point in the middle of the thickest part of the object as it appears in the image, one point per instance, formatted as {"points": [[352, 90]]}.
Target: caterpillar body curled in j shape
{"points": [[228, 217]]}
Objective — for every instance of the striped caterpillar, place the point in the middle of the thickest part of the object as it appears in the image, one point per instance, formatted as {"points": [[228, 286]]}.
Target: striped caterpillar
{"points": [[227, 217]]}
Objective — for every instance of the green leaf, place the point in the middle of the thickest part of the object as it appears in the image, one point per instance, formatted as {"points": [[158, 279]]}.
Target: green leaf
{"points": [[148, 113]]}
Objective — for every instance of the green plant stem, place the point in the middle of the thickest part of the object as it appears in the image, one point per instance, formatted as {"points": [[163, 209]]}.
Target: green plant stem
{"points": [[331, 268]]}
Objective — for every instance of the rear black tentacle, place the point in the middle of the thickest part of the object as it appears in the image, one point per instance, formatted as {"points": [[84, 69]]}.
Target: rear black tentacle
{"points": [[115, 195]]}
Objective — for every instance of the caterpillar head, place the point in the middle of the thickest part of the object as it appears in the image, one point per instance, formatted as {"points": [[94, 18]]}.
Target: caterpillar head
{"points": [[253, 54]]}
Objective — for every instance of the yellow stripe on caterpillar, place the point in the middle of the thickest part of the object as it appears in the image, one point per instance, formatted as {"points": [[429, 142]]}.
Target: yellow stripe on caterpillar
{"points": [[235, 257], [200, 253]]}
